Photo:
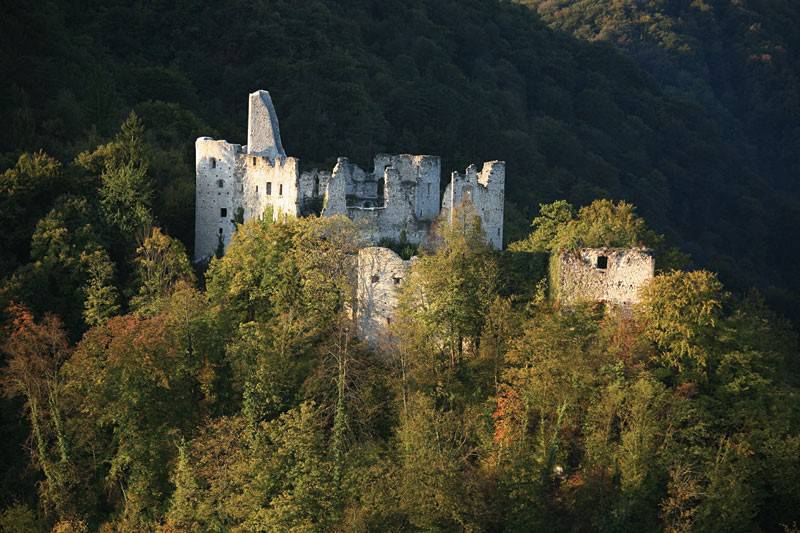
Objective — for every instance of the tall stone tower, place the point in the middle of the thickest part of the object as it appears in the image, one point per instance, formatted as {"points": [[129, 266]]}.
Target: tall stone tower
{"points": [[398, 201], [263, 133]]}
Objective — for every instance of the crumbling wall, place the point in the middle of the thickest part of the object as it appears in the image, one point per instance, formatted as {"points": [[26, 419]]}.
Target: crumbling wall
{"points": [[406, 197], [312, 191], [398, 201], [381, 274], [485, 190], [263, 133], [611, 275], [417, 182]]}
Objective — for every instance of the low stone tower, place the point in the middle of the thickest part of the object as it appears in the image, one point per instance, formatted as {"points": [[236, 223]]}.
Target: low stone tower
{"points": [[610, 275]]}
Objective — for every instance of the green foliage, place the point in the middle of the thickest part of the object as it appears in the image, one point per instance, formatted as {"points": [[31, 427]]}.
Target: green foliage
{"points": [[66, 250], [700, 134], [24, 191], [449, 291], [602, 223], [19, 518], [680, 311], [101, 298], [487, 412], [269, 477], [245, 282], [438, 491], [151, 383], [254, 406], [161, 264]]}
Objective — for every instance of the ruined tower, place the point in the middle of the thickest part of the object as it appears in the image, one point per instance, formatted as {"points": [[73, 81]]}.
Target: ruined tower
{"points": [[485, 190], [610, 275], [263, 133], [398, 200]]}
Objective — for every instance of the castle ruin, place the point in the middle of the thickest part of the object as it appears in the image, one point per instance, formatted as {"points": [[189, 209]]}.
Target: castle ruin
{"points": [[609, 275], [381, 273], [397, 201]]}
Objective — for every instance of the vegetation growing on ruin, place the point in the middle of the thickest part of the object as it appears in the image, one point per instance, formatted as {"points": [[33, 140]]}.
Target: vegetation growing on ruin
{"points": [[698, 130], [139, 394], [252, 404]]}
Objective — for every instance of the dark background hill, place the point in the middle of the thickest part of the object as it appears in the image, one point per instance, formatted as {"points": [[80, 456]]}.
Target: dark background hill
{"points": [[687, 109]]}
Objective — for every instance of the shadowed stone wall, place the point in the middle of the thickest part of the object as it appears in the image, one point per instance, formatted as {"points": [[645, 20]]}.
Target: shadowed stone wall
{"points": [[381, 273]]}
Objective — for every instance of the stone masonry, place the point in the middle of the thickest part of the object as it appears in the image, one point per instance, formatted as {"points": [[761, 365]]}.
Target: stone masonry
{"points": [[398, 199], [610, 275], [381, 273]]}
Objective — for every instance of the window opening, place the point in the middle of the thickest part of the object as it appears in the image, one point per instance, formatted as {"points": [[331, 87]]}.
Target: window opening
{"points": [[602, 262], [269, 187], [223, 212], [280, 189], [375, 278], [220, 183], [213, 162]]}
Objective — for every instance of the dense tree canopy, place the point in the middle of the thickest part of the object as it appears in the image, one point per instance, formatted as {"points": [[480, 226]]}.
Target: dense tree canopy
{"points": [[252, 405], [700, 135], [144, 393]]}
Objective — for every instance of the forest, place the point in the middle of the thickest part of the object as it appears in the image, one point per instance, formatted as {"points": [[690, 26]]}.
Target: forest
{"points": [[144, 393]]}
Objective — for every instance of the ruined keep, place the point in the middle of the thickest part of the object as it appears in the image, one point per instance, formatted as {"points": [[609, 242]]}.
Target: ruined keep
{"points": [[609, 275], [397, 200]]}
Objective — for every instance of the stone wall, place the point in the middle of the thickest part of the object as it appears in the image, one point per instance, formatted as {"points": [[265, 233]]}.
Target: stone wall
{"points": [[263, 132], [217, 193], [611, 275], [486, 191], [399, 200], [271, 185], [312, 190], [381, 273]]}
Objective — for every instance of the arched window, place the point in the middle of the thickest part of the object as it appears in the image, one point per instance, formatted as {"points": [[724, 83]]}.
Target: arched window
{"points": [[213, 162], [315, 191]]}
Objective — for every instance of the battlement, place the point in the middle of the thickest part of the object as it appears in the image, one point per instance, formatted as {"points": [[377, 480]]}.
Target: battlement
{"points": [[398, 200]]}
